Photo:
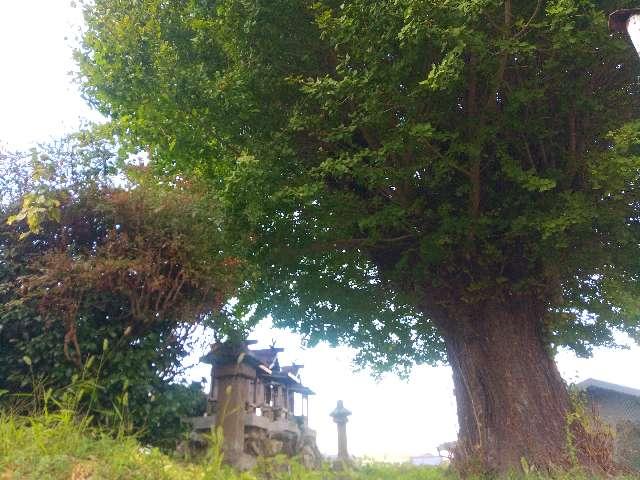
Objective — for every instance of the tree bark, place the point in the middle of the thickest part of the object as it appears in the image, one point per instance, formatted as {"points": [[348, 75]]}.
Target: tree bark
{"points": [[513, 406]]}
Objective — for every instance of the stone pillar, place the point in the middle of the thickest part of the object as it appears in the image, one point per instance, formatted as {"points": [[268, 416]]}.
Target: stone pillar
{"points": [[234, 381], [292, 404], [259, 393], [212, 400], [341, 417]]}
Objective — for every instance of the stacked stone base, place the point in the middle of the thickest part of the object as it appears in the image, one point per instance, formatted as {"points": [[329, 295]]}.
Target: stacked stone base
{"points": [[261, 439]]}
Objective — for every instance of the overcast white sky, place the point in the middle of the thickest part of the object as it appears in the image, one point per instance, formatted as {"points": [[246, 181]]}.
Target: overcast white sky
{"points": [[392, 418]]}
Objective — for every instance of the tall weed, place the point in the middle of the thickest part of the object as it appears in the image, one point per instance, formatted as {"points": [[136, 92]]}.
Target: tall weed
{"points": [[57, 441]]}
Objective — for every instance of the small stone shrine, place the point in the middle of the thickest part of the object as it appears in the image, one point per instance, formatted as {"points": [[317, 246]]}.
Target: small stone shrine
{"points": [[262, 407]]}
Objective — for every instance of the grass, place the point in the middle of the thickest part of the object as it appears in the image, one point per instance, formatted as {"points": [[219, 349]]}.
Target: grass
{"points": [[59, 446]]}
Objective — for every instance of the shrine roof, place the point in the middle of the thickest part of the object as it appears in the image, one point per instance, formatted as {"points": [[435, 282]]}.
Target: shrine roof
{"points": [[264, 360]]}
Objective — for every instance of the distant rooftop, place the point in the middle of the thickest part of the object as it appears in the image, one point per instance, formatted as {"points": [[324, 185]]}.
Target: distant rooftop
{"points": [[593, 383]]}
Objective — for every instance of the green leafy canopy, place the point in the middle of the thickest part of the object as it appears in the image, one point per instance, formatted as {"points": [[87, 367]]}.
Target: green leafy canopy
{"points": [[389, 163]]}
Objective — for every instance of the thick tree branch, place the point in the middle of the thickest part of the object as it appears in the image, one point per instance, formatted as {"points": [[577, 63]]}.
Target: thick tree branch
{"points": [[526, 26]]}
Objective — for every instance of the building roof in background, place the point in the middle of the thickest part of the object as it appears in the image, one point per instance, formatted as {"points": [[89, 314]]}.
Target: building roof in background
{"points": [[593, 383]]}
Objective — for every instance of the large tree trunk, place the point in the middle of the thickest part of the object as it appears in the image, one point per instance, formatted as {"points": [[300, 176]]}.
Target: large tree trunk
{"points": [[513, 407]]}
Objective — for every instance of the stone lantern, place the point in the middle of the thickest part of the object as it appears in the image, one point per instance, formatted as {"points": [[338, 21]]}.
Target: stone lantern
{"points": [[341, 417]]}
